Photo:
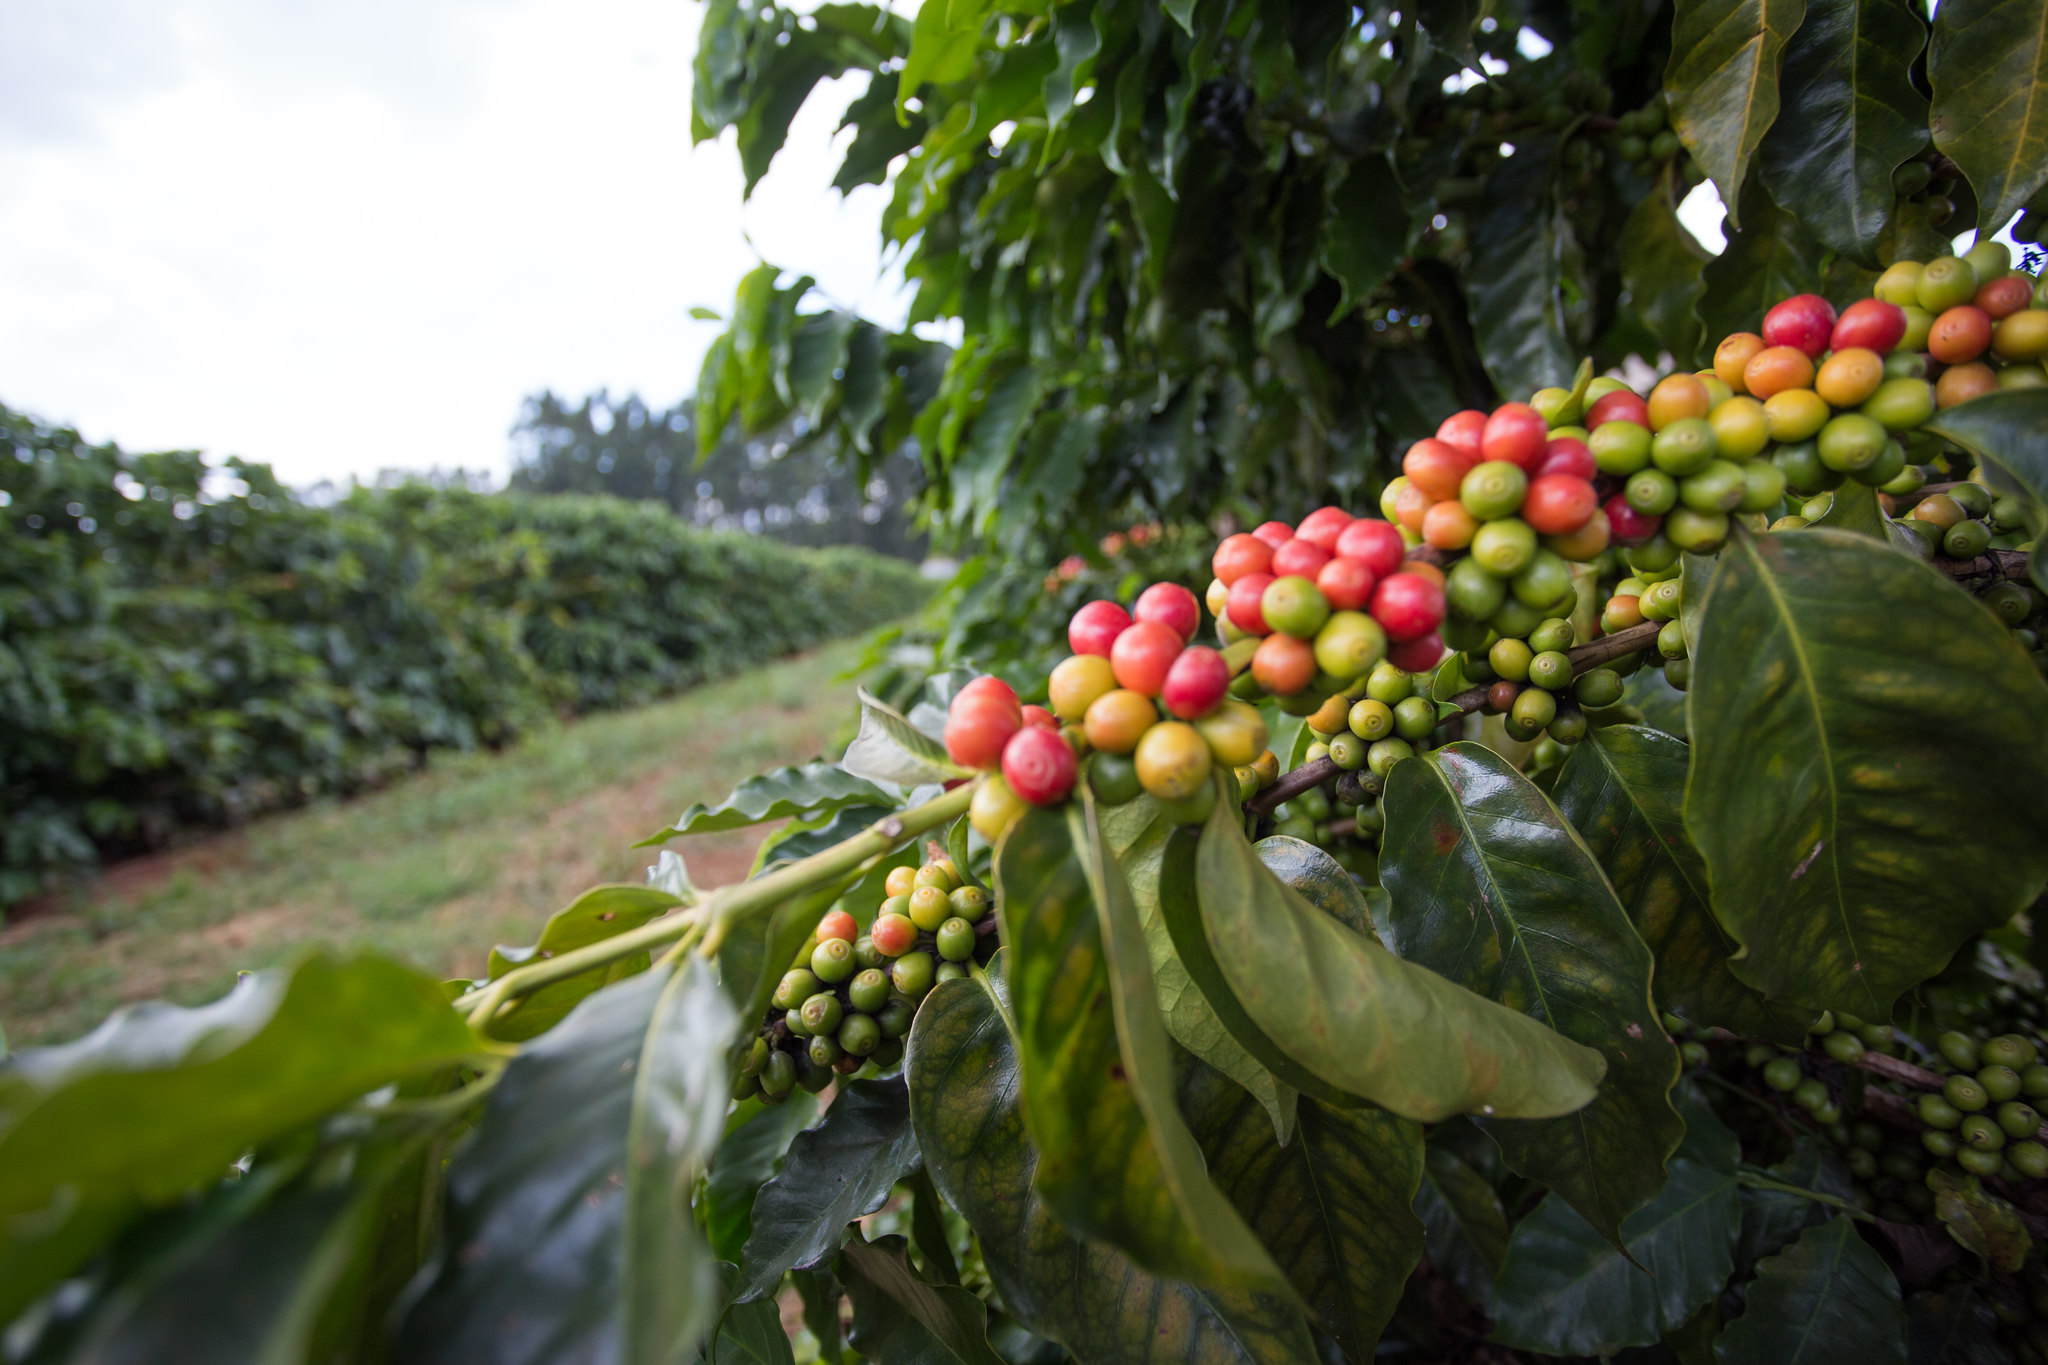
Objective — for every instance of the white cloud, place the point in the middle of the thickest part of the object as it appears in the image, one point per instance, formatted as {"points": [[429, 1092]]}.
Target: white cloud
{"points": [[343, 237]]}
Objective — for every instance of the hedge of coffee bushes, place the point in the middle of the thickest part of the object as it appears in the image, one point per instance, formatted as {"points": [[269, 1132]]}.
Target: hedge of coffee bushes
{"points": [[181, 646]]}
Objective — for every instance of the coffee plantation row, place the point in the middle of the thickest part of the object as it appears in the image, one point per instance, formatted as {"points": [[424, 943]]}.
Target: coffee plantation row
{"points": [[169, 656]]}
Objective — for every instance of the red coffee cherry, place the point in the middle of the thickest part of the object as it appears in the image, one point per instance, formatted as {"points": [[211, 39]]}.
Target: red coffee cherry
{"points": [[1375, 544], [1142, 655], [1623, 405], [1284, 665], [1869, 325], [1095, 626], [1274, 533], [1436, 467], [1244, 606], [989, 685], [1516, 433], [1299, 558], [1803, 322], [1567, 455], [1559, 504], [1418, 655], [1195, 683], [1322, 527], [1038, 766], [1172, 606], [1408, 606], [978, 728], [1625, 525], [1346, 584], [1463, 431], [1038, 718]]}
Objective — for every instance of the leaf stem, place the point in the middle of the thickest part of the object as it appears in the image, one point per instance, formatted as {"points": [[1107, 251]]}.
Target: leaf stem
{"points": [[1759, 1182], [707, 922]]}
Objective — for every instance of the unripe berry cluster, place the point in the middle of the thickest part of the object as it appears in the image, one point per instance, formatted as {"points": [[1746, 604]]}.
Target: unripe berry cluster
{"points": [[848, 998]]}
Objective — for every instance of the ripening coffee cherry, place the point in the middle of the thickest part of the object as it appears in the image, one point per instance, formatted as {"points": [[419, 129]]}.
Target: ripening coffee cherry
{"points": [[978, 727], [1236, 734], [838, 924], [1284, 665], [955, 940], [901, 881], [1075, 684], [893, 934], [929, 908], [1117, 720], [1503, 548], [798, 984], [1371, 719], [969, 902], [1349, 644], [1510, 659], [1173, 761], [994, 807]]}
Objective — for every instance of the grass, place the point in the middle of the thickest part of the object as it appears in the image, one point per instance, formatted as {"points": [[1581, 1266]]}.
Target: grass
{"points": [[478, 850]]}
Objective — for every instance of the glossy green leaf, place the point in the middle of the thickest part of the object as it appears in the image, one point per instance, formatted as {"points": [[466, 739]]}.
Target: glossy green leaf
{"points": [[1623, 789], [1696, 582], [1850, 116], [1828, 1299], [1367, 233], [681, 1092], [1517, 284], [890, 749], [1319, 879], [1116, 1161], [758, 950], [1364, 1021], [746, 1158], [1980, 1222], [898, 1319], [1772, 1219], [1465, 1229], [1988, 64], [928, 1229], [805, 793], [940, 52], [1137, 838], [534, 1261], [1661, 263], [1823, 792], [1951, 1327], [1772, 257], [1334, 1206], [841, 1170], [965, 1080], [1493, 888], [592, 917], [1722, 83], [1854, 507], [161, 1099], [820, 1292], [748, 1333], [1566, 1290]]}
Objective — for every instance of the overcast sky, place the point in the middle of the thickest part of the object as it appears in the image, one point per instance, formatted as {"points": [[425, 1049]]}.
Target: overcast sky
{"points": [[344, 235]]}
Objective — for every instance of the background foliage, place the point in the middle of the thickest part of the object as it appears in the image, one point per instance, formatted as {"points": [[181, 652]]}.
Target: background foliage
{"points": [[184, 645]]}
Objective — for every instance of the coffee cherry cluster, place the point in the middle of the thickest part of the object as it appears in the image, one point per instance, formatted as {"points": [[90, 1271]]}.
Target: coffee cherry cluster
{"points": [[848, 998], [1324, 601], [1653, 595], [989, 728]]}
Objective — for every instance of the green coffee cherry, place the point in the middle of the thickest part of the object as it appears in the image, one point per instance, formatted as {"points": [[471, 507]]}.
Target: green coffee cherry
{"points": [[866, 954], [1371, 719], [869, 991], [2034, 1081], [822, 1013], [895, 1018], [797, 985], [2018, 1120], [1757, 1054], [1551, 670], [860, 1035], [1510, 659], [1385, 753], [2009, 1049], [1940, 1143], [1783, 1074], [1388, 684], [895, 905], [1114, 777], [825, 1051], [778, 1077], [832, 961], [1598, 687], [1571, 725], [1671, 640], [1694, 1053], [888, 1053], [1965, 1093], [1843, 1046], [1862, 1164], [1534, 708], [912, 975], [757, 1057], [1959, 1050], [1810, 1094], [1966, 540], [1317, 750], [2029, 1158], [745, 1086], [1980, 1163], [955, 940], [969, 903], [939, 875], [1975, 498], [1414, 717], [950, 971], [1554, 634], [2001, 1083], [1981, 1133], [929, 908], [1937, 1112]]}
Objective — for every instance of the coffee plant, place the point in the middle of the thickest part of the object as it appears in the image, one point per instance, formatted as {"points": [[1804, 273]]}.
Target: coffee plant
{"points": [[1510, 867]]}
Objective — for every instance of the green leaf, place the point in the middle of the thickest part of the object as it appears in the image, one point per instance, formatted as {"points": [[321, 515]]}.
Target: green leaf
{"points": [[1696, 581], [965, 1080], [841, 1170], [928, 1229], [1851, 115], [2008, 433], [1566, 1290], [1494, 889], [1335, 1206], [1318, 878], [1981, 1223], [681, 1092], [1823, 793], [1517, 284], [1623, 789], [898, 1319], [820, 1292], [748, 1333], [890, 749], [1465, 1229], [594, 916], [1366, 234], [1827, 1300], [1722, 83], [1771, 258], [159, 1099], [1771, 1219], [534, 1255], [805, 793], [1116, 1161], [940, 53], [1358, 1019], [746, 1158], [1137, 837], [1661, 263], [1951, 1327], [1988, 64]]}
